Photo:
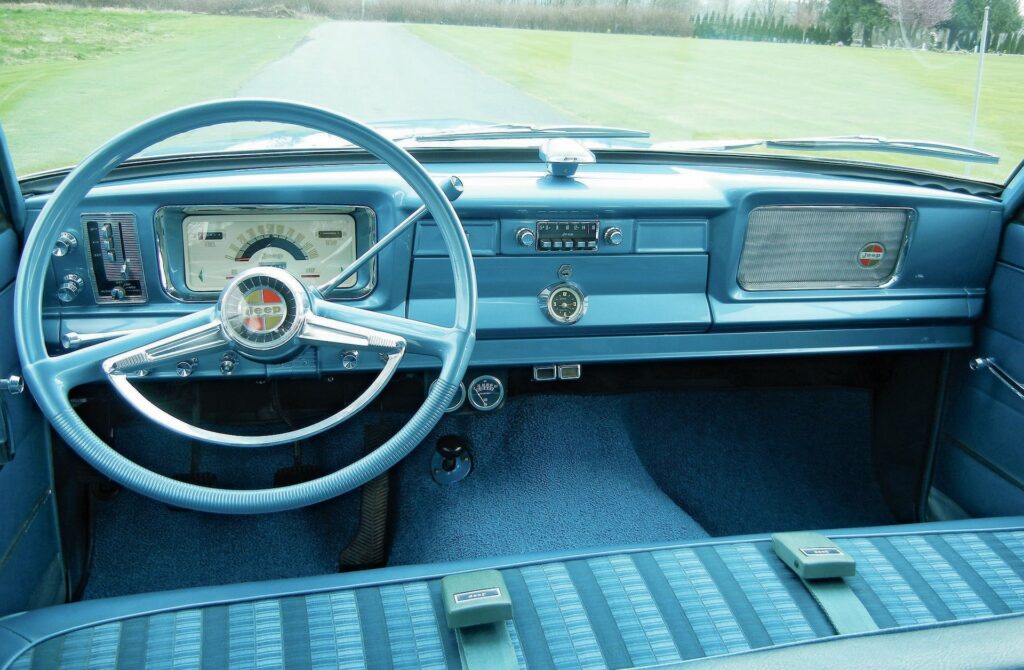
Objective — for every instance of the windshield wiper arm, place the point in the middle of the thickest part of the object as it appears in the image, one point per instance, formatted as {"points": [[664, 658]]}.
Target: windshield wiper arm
{"points": [[874, 143], [521, 131]]}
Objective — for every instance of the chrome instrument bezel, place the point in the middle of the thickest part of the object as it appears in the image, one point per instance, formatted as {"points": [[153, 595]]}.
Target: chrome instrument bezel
{"points": [[545, 297], [485, 408], [458, 400], [122, 219], [183, 294]]}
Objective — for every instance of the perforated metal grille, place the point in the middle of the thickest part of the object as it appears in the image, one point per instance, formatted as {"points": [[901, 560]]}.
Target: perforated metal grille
{"points": [[821, 247]]}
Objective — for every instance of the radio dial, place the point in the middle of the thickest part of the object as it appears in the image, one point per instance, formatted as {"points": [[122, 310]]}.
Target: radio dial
{"points": [[526, 237], [613, 236]]}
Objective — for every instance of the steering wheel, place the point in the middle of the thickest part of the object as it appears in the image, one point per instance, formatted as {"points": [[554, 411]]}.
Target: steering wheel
{"points": [[301, 318]]}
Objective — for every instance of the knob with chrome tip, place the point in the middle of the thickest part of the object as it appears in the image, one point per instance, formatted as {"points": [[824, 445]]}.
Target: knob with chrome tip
{"points": [[118, 293], [227, 365], [526, 237], [613, 236], [69, 288], [65, 244], [186, 368], [13, 384], [349, 359]]}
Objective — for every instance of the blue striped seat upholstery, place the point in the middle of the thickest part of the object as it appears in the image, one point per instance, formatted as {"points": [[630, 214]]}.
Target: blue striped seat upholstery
{"points": [[616, 610]]}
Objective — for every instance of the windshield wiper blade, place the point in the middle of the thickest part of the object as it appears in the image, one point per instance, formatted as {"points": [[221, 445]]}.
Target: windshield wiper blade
{"points": [[840, 143], [874, 143], [522, 131]]}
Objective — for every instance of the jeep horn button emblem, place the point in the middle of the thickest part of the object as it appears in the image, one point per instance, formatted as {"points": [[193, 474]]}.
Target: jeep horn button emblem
{"points": [[263, 310], [870, 255]]}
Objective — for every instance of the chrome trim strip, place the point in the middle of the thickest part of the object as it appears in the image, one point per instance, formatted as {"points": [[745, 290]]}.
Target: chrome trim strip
{"points": [[186, 296], [989, 363]]}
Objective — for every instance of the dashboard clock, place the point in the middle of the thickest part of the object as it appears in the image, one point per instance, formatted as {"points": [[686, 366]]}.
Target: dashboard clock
{"points": [[563, 303], [486, 393]]}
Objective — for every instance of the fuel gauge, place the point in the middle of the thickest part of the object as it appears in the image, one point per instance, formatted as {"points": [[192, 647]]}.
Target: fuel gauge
{"points": [[486, 393]]}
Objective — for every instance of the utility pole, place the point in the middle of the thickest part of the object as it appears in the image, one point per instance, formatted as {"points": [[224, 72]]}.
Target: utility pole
{"points": [[981, 68]]}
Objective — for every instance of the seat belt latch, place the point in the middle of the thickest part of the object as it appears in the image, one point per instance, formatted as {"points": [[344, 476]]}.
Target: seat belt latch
{"points": [[475, 598], [813, 556], [476, 606]]}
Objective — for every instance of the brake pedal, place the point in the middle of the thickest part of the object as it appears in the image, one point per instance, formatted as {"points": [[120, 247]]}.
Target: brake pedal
{"points": [[194, 476], [369, 546]]}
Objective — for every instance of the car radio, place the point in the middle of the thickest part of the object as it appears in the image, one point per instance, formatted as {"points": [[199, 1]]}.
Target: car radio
{"points": [[567, 235]]}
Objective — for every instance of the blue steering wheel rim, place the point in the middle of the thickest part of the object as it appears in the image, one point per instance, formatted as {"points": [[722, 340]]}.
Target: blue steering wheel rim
{"points": [[52, 397]]}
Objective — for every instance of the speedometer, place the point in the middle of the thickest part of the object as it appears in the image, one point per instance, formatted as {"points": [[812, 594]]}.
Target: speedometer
{"points": [[313, 247]]}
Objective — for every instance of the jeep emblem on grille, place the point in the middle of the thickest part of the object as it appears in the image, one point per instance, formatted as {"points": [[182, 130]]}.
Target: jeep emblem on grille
{"points": [[870, 255]]}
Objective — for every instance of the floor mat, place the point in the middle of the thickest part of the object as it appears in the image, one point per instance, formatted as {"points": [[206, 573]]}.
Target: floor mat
{"points": [[550, 472], [746, 461]]}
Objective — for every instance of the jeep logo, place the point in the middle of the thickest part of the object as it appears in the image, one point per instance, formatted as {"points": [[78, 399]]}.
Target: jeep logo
{"points": [[263, 310]]}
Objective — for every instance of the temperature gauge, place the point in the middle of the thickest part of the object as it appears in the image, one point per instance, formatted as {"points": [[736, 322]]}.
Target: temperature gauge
{"points": [[486, 393]]}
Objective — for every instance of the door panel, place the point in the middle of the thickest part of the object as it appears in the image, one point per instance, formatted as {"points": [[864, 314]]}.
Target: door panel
{"points": [[980, 459], [31, 566]]}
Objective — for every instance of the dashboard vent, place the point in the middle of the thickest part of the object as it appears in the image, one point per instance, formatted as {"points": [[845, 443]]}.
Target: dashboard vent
{"points": [[789, 248]]}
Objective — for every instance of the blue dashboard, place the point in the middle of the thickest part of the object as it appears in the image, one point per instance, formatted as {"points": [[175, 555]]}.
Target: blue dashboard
{"points": [[665, 261]]}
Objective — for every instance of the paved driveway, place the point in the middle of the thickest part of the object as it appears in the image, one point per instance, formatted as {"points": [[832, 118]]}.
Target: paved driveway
{"points": [[382, 72]]}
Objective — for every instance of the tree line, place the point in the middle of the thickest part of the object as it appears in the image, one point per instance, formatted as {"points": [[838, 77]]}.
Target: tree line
{"points": [[938, 24]]}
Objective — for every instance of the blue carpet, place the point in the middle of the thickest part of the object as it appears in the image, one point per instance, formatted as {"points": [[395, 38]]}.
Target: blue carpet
{"points": [[142, 545], [746, 461], [550, 472]]}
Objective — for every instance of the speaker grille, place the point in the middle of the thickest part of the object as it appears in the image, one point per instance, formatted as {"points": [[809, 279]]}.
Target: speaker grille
{"points": [[822, 247]]}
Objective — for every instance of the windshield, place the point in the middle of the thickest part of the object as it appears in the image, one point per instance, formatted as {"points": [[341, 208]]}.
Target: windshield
{"points": [[694, 75]]}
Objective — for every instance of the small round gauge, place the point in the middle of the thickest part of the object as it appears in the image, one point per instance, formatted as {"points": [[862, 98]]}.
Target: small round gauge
{"points": [[486, 393], [564, 303], [457, 400]]}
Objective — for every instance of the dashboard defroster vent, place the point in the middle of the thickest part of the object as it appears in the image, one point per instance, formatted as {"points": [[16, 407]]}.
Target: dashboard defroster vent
{"points": [[805, 247]]}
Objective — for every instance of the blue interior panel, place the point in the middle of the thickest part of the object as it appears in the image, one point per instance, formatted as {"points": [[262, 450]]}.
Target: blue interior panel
{"points": [[626, 294], [980, 463]]}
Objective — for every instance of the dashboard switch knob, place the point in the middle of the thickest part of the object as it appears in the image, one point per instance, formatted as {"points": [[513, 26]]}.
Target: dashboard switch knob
{"points": [[118, 293], [65, 244], [613, 236], [349, 359], [186, 368], [69, 288], [526, 237]]}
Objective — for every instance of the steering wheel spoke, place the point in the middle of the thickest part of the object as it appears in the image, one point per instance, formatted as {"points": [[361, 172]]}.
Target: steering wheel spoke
{"points": [[322, 330], [416, 336], [129, 353], [203, 338]]}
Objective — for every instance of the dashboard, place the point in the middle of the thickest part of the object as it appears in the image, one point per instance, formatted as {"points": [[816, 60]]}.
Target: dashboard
{"points": [[623, 262]]}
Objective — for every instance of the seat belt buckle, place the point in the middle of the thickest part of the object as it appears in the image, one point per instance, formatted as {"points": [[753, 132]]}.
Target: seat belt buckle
{"points": [[475, 598], [813, 556]]}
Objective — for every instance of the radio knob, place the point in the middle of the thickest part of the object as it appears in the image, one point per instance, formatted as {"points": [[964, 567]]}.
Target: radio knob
{"points": [[69, 288], [613, 236], [526, 237], [65, 244]]}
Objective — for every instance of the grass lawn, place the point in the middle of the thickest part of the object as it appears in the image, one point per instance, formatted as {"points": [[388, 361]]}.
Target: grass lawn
{"points": [[688, 88], [70, 76]]}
